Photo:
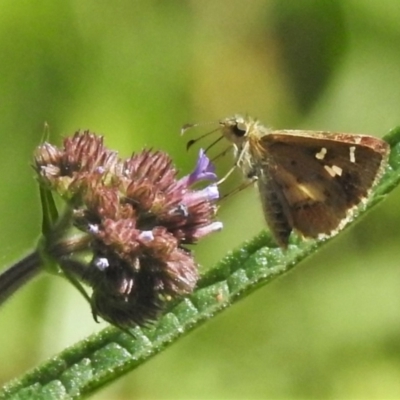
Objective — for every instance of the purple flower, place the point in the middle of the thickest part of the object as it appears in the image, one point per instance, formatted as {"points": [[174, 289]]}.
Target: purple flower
{"points": [[205, 170]]}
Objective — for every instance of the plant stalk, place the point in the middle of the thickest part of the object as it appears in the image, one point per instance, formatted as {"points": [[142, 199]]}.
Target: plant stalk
{"points": [[18, 274]]}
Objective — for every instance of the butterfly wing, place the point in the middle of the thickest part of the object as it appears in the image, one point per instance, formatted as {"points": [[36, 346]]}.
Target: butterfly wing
{"points": [[311, 182]]}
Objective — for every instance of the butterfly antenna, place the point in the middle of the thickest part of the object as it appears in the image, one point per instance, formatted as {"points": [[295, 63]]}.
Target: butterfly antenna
{"points": [[186, 127], [190, 143]]}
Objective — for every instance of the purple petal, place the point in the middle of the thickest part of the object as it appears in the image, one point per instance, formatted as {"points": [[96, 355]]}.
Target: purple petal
{"points": [[93, 229], [205, 170], [206, 230], [209, 193], [146, 236], [101, 263]]}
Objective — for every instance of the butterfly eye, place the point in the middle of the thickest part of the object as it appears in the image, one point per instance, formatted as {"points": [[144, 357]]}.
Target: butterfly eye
{"points": [[239, 130]]}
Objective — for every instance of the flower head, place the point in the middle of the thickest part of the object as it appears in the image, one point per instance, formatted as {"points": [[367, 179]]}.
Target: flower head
{"points": [[138, 217]]}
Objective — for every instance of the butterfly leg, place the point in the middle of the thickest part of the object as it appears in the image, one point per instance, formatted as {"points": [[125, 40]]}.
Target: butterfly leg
{"points": [[238, 162], [239, 188]]}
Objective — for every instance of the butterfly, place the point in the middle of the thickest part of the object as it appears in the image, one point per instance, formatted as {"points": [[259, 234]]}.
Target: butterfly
{"points": [[310, 182]]}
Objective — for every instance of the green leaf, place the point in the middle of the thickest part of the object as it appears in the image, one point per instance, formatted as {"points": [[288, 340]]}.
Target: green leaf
{"points": [[91, 364], [49, 219], [49, 210]]}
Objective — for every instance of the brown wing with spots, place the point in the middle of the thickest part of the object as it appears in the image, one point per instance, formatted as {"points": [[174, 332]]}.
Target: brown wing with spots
{"points": [[309, 183]]}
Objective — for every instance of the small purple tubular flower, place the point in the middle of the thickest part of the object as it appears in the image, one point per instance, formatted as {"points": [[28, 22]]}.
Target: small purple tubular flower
{"points": [[138, 217], [205, 170], [206, 230], [209, 193]]}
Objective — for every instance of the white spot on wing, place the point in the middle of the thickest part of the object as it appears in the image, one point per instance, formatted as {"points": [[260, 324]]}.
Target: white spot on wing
{"points": [[353, 154], [321, 154], [338, 170], [334, 170]]}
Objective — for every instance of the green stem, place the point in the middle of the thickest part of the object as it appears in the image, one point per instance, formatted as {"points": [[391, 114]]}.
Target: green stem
{"points": [[17, 275]]}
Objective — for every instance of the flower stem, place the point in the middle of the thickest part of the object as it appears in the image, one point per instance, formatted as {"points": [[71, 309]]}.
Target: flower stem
{"points": [[19, 274]]}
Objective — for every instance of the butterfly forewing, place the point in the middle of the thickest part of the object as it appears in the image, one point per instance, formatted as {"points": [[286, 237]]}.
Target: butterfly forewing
{"points": [[316, 179]]}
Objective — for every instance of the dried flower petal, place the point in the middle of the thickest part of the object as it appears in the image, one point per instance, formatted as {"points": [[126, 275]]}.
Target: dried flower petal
{"points": [[138, 216], [67, 170]]}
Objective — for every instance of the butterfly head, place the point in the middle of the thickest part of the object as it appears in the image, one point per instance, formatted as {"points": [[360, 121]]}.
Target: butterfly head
{"points": [[238, 130], [235, 129]]}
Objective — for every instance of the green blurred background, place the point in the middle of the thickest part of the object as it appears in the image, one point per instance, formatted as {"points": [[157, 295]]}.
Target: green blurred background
{"points": [[136, 71]]}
